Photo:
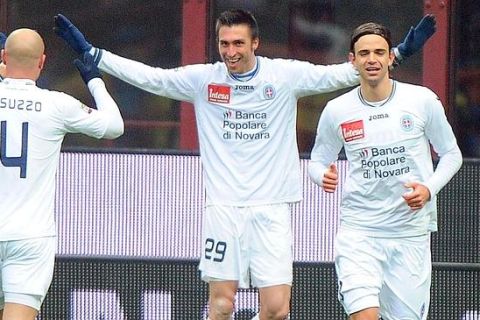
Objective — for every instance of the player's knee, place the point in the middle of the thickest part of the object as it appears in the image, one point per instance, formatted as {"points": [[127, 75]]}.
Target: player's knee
{"points": [[278, 312], [221, 308], [282, 315]]}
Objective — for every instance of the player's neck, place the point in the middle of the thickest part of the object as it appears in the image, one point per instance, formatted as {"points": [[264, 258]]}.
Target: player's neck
{"points": [[21, 74], [378, 91]]}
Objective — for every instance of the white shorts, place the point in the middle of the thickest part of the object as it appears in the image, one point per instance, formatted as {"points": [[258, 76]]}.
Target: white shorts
{"points": [[26, 270], [393, 274], [247, 243]]}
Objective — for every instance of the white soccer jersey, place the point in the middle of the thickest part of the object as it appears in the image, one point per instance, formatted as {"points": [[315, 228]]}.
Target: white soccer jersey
{"points": [[387, 146], [247, 129], [33, 123]]}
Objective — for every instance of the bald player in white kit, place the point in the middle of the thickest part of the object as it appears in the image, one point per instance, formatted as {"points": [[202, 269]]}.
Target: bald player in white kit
{"points": [[33, 123]]}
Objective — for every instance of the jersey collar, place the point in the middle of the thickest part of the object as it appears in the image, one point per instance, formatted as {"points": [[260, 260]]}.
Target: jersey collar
{"points": [[244, 77], [381, 103], [18, 81]]}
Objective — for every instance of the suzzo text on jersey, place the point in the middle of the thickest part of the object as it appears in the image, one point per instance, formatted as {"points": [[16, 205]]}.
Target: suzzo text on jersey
{"points": [[20, 104]]}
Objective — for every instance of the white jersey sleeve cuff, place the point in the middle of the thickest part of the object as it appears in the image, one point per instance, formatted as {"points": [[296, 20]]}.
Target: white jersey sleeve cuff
{"points": [[316, 171], [447, 167]]}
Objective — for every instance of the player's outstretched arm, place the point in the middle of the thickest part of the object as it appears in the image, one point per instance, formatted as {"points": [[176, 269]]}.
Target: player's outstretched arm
{"points": [[66, 30], [104, 101], [416, 38]]}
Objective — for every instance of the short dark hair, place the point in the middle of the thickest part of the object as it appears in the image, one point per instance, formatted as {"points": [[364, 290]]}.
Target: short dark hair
{"points": [[236, 17], [370, 28]]}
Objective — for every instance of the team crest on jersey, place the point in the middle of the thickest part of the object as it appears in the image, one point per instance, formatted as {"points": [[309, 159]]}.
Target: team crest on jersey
{"points": [[353, 130], [406, 122], [269, 92], [218, 93], [86, 109]]}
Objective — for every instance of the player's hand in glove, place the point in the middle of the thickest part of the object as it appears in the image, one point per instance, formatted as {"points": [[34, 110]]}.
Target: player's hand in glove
{"points": [[72, 36], [87, 68], [416, 37]]}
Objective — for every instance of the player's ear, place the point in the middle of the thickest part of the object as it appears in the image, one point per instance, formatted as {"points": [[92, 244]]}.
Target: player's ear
{"points": [[391, 58], [41, 62], [255, 43], [2, 70], [351, 57]]}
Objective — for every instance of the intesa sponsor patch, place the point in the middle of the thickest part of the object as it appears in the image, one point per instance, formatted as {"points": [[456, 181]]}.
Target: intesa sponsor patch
{"points": [[353, 130]]}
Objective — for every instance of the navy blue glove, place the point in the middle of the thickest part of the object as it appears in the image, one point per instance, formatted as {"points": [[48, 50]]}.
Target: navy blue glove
{"points": [[72, 36], [417, 36], [87, 68], [3, 39]]}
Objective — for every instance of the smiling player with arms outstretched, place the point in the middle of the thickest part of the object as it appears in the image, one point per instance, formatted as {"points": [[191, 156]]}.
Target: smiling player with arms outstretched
{"points": [[245, 108]]}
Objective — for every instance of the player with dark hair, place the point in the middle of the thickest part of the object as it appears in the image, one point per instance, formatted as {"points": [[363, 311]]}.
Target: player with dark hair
{"points": [[388, 208], [33, 123], [245, 110]]}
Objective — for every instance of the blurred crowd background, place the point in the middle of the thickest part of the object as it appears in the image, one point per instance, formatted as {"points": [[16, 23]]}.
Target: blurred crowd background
{"points": [[315, 30]]}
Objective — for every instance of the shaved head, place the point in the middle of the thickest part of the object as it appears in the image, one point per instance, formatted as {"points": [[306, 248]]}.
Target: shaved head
{"points": [[24, 52]]}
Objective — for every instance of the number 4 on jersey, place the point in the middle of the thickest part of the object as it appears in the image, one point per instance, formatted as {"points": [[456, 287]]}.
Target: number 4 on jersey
{"points": [[21, 161]]}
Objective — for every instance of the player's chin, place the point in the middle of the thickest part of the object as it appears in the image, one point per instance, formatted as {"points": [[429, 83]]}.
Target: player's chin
{"points": [[234, 68]]}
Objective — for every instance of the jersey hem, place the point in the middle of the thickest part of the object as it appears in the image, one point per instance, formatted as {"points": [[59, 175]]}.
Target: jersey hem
{"points": [[252, 203], [25, 237], [382, 234]]}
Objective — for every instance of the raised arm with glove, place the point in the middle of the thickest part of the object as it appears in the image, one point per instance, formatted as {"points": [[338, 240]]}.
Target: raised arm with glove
{"points": [[416, 38], [74, 37], [412, 43]]}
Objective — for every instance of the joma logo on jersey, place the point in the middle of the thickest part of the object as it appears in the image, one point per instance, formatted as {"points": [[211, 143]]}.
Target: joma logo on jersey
{"points": [[244, 88], [353, 130], [220, 94], [378, 116]]}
